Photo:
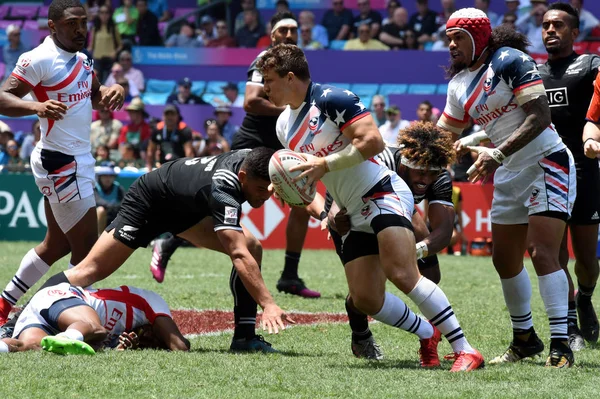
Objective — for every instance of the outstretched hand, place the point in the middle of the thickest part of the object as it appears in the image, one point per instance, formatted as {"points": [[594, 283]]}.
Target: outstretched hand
{"points": [[272, 319]]}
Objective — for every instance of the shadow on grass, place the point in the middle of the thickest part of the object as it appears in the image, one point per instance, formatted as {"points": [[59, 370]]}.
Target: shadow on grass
{"points": [[383, 365], [228, 352]]}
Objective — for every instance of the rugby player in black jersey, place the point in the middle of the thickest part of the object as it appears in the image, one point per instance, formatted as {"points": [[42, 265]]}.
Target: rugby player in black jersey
{"points": [[258, 129], [205, 211], [428, 180], [569, 81]]}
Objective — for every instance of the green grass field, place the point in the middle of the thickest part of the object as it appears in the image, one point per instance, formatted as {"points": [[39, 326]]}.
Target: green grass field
{"points": [[316, 361]]}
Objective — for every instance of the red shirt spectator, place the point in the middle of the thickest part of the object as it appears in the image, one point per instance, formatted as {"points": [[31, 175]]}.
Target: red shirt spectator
{"points": [[137, 132]]}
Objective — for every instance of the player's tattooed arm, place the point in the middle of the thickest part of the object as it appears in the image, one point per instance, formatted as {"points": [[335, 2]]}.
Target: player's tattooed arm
{"points": [[538, 118], [11, 103]]}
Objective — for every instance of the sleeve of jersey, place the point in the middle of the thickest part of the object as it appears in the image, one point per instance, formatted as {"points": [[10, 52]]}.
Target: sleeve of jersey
{"points": [[521, 74], [441, 190], [29, 69], [342, 107], [453, 110], [226, 201], [254, 76], [593, 113]]}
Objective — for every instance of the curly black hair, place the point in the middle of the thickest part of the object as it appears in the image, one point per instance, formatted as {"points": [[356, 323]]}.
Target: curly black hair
{"points": [[58, 7], [256, 163], [425, 144]]}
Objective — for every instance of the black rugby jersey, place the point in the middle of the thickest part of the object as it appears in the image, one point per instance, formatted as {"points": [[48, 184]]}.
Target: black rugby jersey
{"points": [[569, 84], [259, 127], [208, 184], [440, 191]]}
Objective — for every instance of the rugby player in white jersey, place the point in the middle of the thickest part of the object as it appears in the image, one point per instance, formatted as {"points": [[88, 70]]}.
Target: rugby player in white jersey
{"points": [[68, 319], [338, 131], [499, 86], [62, 80]]}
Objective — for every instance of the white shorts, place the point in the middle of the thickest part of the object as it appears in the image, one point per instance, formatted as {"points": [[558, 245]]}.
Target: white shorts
{"points": [[38, 314], [63, 178], [390, 196], [547, 187]]}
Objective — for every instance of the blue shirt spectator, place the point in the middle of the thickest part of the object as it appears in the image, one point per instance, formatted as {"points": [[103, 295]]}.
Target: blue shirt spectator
{"points": [[158, 7], [338, 21], [319, 33], [14, 48]]}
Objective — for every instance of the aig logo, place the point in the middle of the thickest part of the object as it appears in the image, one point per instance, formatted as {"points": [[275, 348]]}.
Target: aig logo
{"points": [[557, 97]]}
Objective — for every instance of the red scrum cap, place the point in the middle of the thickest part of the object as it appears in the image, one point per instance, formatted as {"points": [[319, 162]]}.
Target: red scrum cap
{"points": [[474, 23]]}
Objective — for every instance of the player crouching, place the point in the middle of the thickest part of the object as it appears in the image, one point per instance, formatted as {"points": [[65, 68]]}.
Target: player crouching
{"points": [[66, 319]]}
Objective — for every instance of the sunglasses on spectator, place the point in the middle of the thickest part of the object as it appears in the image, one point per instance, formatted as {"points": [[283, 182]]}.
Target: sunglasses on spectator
{"points": [[378, 104], [13, 147]]}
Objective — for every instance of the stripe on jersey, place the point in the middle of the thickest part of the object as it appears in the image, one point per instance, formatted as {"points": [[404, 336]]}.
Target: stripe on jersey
{"points": [[131, 301], [69, 79], [476, 93], [300, 127], [65, 71], [351, 121], [41, 95], [388, 159], [229, 177], [22, 79]]}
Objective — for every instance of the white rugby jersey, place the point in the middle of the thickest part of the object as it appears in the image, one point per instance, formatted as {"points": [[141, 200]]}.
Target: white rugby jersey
{"points": [[490, 96], [316, 128], [125, 308], [55, 74]]}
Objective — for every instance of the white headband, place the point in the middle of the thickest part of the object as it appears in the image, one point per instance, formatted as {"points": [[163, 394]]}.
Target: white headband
{"points": [[286, 21], [411, 165]]}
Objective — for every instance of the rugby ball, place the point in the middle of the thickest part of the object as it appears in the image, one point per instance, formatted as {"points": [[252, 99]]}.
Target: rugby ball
{"points": [[294, 194]]}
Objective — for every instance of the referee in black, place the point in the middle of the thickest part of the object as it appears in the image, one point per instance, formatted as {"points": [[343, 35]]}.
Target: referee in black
{"points": [[569, 81], [257, 130]]}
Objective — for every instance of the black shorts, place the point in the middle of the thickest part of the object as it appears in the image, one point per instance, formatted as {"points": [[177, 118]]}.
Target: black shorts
{"points": [[586, 210], [143, 215], [241, 141], [359, 244]]}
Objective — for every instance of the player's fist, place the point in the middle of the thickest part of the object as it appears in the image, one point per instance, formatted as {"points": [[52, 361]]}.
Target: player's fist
{"points": [[113, 97], [51, 109], [591, 148]]}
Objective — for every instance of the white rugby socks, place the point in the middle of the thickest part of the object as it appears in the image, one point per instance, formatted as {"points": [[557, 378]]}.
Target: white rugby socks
{"points": [[30, 271], [554, 288], [395, 313], [434, 305], [517, 296], [71, 333], [4, 347]]}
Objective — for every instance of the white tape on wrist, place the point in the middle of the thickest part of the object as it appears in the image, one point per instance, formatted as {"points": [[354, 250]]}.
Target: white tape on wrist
{"points": [[422, 250], [346, 158], [473, 139]]}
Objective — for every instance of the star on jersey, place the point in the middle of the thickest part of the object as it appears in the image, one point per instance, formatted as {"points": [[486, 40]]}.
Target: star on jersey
{"points": [[339, 117], [524, 57], [348, 92], [361, 105], [313, 103], [503, 55], [534, 73], [325, 93]]}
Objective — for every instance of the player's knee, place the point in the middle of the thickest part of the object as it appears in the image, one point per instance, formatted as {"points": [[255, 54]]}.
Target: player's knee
{"points": [[367, 303], [404, 277], [543, 257]]}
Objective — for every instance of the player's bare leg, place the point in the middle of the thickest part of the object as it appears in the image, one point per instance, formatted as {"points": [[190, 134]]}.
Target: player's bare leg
{"points": [[398, 258], [29, 340], [245, 307], [103, 260], [295, 234]]}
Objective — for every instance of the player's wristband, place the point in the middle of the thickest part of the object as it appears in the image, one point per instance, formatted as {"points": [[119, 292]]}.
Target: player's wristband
{"points": [[346, 158], [323, 215], [497, 155], [422, 250]]}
